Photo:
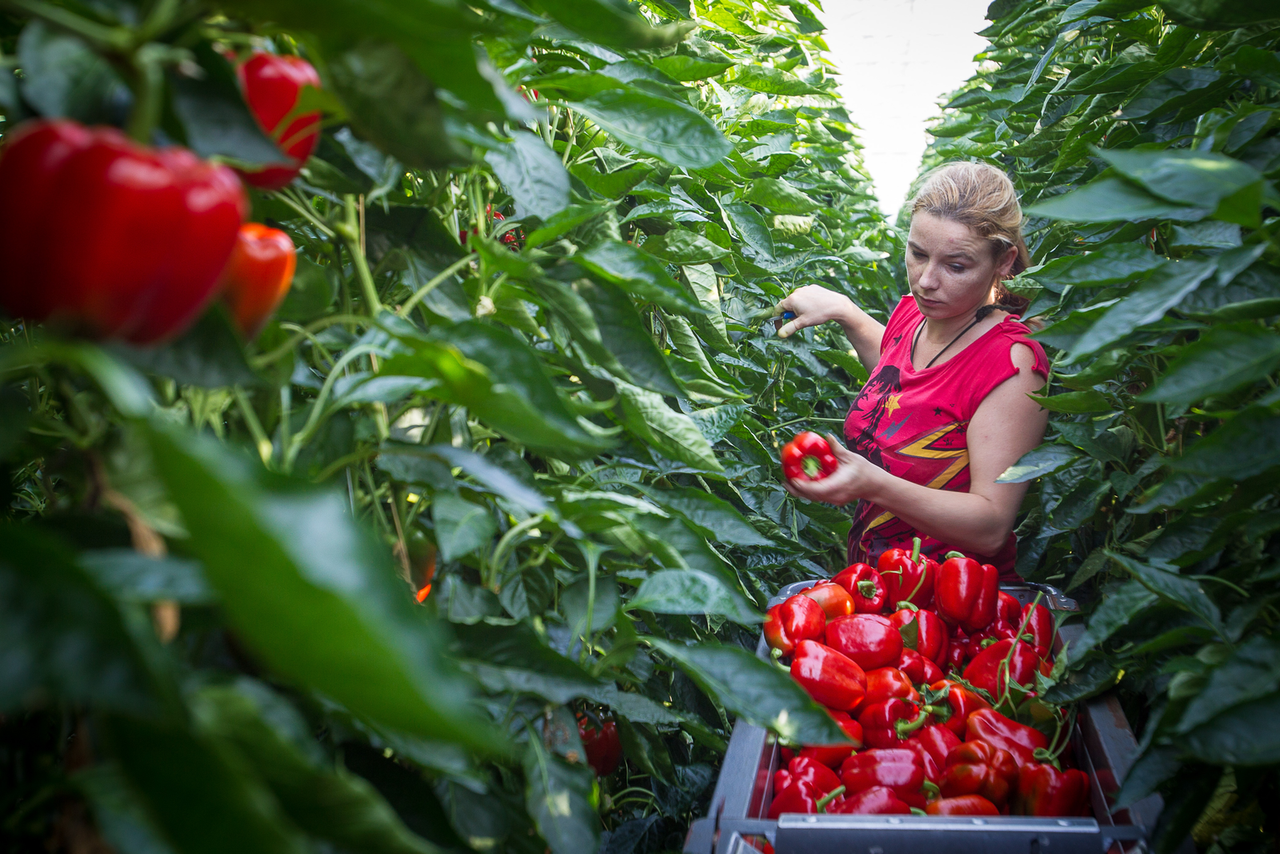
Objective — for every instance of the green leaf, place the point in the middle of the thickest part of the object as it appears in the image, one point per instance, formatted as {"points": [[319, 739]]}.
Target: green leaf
{"points": [[1186, 593], [323, 606], [680, 591], [558, 798], [1251, 672], [1095, 677], [638, 272], [613, 23], [1153, 768], [120, 815], [63, 78], [64, 640], [1089, 400], [1238, 736], [772, 81], [779, 196], [755, 690], [214, 114], [751, 227], [134, 577], [1220, 361], [210, 354], [533, 174], [679, 246], [1108, 265], [1160, 292], [199, 792], [1113, 614], [418, 464], [672, 131], [1039, 462], [1114, 200], [461, 527], [1180, 89], [715, 518], [1233, 190], [623, 332], [673, 433], [1244, 446], [332, 804], [706, 284], [1218, 14]]}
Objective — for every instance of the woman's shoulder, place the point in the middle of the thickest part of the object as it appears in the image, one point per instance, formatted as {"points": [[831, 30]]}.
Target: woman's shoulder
{"points": [[1013, 332]]}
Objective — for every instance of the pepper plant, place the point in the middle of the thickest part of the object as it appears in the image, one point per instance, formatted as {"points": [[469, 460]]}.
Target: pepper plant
{"points": [[1145, 141], [506, 454]]}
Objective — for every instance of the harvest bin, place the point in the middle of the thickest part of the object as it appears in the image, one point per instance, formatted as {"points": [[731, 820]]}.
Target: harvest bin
{"points": [[1103, 744]]}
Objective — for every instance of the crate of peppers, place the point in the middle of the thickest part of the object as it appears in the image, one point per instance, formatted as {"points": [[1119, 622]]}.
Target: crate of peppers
{"points": [[935, 674]]}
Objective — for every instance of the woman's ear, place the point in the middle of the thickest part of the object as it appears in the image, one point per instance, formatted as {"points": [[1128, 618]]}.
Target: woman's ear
{"points": [[1004, 266]]}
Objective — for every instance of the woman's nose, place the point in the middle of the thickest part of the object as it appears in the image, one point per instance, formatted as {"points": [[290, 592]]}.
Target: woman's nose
{"points": [[928, 278]]}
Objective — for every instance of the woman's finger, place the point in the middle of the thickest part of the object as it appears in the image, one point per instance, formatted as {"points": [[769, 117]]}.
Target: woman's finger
{"points": [[841, 453]]}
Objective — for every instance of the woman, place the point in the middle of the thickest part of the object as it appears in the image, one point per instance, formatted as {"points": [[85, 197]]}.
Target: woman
{"points": [[946, 408]]}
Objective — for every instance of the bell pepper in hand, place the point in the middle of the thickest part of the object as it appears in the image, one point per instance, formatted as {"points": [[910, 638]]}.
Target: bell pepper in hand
{"points": [[271, 84], [962, 805], [877, 800], [869, 639], [834, 600], [257, 275], [965, 592], [987, 671], [832, 755], [808, 457], [787, 623], [1019, 740], [961, 703], [900, 770], [888, 723], [927, 629], [939, 741], [920, 670], [109, 238], [1045, 791], [907, 575], [865, 585], [979, 768], [829, 677]]}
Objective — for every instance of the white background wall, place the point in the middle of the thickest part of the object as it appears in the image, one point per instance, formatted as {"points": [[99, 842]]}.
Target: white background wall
{"points": [[896, 59]]}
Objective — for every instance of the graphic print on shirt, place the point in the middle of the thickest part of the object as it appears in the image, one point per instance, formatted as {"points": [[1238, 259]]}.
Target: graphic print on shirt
{"points": [[948, 454], [879, 398]]}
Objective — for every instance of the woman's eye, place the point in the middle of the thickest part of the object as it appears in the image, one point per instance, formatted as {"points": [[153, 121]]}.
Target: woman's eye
{"points": [[957, 268]]}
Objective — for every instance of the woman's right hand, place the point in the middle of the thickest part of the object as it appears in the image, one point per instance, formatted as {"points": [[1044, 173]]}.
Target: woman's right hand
{"points": [[812, 305]]}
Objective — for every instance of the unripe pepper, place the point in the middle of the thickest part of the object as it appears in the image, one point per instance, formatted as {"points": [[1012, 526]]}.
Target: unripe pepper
{"points": [[869, 639], [110, 238], [865, 586], [900, 770], [979, 768], [987, 670], [1019, 740], [877, 800], [257, 275], [808, 457], [834, 600], [962, 805], [929, 632], [1045, 791], [829, 677], [907, 575], [966, 592], [271, 85], [787, 623]]}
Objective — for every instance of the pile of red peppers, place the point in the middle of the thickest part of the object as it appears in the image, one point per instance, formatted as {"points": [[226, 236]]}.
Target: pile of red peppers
{"points": [[931, 672]]}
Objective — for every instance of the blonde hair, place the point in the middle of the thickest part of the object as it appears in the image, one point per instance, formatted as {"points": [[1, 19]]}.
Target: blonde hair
{"points": [[982, 197]]}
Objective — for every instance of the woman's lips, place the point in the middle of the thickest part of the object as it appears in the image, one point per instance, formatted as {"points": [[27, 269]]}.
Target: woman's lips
{"points": [[927, 301]]}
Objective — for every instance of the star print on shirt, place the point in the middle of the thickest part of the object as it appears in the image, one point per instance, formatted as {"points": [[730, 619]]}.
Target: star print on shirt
{"points": [[891, 404], [937, 410], [897, 338]]}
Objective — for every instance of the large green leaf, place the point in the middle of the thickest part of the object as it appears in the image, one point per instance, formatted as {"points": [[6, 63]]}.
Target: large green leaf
{"points": [[1251, 672], [623, 332], [715, 518], [1221, 361], [1231, 189], [675, 132], [1108, 265], [461, 526], [1218, 14], [322, 605], [63, 78], [215, 116], [1114, 199], [1113, 614], [1186, 593], [673, 433], [779, 196], [558, 797], [1148, 303], [638, 272], [533, 174], [1237, 736], [1244, 446], [680, 591], [679, 246], [613, 23]]}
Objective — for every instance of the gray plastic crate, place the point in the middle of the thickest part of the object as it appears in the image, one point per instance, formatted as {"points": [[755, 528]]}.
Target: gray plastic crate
{"points": [[1103, 746]]}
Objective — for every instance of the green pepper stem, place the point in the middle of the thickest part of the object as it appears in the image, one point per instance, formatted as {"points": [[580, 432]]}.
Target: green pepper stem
{"points": [[907, 604], [915, 549], [903, 727], [829, 797], [953, 554]]}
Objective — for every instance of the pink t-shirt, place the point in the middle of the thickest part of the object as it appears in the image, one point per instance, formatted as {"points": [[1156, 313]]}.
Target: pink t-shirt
{"points": [[912, 424]]}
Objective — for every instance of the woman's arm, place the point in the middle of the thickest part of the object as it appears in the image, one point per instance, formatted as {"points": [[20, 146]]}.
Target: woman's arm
{"points": [[1006, 425], [814, 304]]}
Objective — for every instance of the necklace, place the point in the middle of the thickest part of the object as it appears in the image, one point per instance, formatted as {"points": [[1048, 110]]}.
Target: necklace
{"points": [[920, 329]]}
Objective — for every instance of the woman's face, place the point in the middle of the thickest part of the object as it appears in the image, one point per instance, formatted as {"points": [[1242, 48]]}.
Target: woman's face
{"points": [[950, 267]]}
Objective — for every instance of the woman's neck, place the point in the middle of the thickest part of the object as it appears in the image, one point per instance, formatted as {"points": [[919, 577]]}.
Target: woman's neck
{"points": [[940, 331]]}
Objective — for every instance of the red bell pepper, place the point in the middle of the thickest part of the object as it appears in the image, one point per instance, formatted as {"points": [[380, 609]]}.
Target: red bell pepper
{"points": [[957, 651], [1008, 608], [877, 800], [808, 457], [930, 633], [888, 723], [966, 592], [900, 770], [1037, 621], [939, 741], [257, 275], [810, 770], [1045, 791], [781, 779], [884, 683], [962, 805], [961, 703], [834, 600], [908, 576], [865, 586], [833, 754], [920, 670], [272, 84], [988, 671], [787, 623], [830, 678], [979, 768], [869, 639], [1019, 740], [996, 630], [109, 238], [932, 768], [802, 797]]}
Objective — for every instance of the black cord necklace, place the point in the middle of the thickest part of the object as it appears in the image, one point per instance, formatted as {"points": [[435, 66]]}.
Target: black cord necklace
{"points": [[920, 328]]}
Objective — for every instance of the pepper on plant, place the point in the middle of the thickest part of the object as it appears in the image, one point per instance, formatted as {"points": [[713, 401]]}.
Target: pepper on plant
{"points": [[272, 84], [257, 275]]}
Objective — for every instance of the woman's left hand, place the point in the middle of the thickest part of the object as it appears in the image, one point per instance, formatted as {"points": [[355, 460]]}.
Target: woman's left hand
{"points": [[850, 481]]}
